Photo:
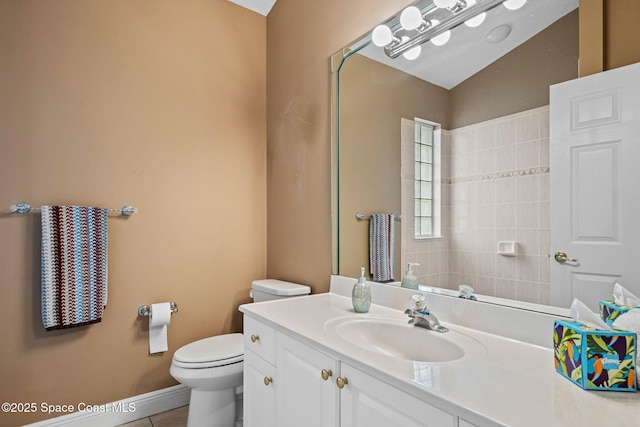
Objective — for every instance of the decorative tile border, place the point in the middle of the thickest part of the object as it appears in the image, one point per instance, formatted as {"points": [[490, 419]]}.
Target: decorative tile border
{"points": [[498, 175]]}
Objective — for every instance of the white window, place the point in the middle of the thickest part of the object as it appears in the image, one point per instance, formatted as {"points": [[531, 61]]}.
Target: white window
{"points": [[427, 180]]}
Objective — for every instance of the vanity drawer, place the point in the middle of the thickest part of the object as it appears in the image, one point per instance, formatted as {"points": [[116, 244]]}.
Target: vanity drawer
{"points": [[260, 338]]}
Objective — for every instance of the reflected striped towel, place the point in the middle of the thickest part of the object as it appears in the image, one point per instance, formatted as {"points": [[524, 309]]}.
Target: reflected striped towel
{"points": [[381, 247], [74, 265]]}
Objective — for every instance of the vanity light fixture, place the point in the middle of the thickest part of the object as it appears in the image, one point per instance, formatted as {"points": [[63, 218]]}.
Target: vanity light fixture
{"points": [[433, 23]]}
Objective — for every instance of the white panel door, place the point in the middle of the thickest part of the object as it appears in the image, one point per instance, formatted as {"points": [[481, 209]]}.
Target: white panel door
{"points": [[595, 186]]}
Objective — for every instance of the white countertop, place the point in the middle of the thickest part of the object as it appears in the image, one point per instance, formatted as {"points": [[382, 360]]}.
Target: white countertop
{"points": [[503, 382]]}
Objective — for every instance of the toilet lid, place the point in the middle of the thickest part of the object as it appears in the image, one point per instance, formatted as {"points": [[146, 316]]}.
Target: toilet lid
{"points": [[214, 351]]}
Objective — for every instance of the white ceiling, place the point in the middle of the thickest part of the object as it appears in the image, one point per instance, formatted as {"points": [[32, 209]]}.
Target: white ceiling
{"points": [[468, 52], [261, 6]]}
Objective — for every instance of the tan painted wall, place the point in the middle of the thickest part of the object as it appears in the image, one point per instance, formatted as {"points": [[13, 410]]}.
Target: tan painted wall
{"points": [[161, 105], [301, 37], [609, 34], [520, 80]]}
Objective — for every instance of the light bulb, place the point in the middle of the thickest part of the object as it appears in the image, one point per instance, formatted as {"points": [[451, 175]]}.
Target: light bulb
{"points": [[442, 39], [381, 35], [514, 4], [445, 3], [411, 18], [412, 53], [476, 20]]}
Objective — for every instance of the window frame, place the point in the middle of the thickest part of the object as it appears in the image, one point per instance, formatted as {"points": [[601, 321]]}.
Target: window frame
{"points": [[435, 201]]}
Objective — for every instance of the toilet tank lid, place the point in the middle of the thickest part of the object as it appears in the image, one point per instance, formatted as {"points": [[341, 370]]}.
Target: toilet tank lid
{"points": [[280, 287]]}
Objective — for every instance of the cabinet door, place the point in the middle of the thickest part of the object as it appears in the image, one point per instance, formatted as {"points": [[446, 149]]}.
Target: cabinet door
{"points": [[259, 392], [304, 397], [366, 401]]}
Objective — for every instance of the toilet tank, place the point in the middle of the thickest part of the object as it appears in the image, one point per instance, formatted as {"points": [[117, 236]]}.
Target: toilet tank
{"points": [[271, 289]]}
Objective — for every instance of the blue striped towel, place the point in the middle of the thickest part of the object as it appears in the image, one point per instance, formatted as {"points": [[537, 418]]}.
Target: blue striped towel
{"points": [[381, 235], [74, 265]]}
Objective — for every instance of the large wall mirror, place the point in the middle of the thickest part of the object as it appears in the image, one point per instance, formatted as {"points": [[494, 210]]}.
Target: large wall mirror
{"points": [[483, 98]]}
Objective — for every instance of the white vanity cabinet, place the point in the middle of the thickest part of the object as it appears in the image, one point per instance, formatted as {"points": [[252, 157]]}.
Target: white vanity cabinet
{"points": [[294, 384], [366, 401], [307, 394]]}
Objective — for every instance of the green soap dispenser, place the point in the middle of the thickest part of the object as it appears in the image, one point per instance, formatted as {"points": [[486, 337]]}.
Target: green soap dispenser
{"points": [[410, 281], [361, 294]]}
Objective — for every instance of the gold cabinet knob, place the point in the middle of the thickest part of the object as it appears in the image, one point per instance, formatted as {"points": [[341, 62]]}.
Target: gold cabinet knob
{"points": [[255, 338], [561, 257], [326, 373], [268, 380], [341, 382]]}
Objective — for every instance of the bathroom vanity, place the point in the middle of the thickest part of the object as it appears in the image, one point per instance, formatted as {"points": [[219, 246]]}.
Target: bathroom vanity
{"points": [[313, 361]]}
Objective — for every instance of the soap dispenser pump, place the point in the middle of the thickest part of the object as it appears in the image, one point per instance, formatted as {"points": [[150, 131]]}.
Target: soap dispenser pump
{"points": [[361, 294], [410, 281]]}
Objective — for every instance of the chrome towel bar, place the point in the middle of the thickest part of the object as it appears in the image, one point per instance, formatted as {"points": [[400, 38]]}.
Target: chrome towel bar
{"points": [[367, 216], [25, 208]]}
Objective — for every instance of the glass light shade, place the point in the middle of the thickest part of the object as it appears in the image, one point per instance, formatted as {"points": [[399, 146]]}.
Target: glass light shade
{"points": [[413, 53], [381, 35], [411, 18], [476, 20], [514, 4], [445, 3], [442, 39]]}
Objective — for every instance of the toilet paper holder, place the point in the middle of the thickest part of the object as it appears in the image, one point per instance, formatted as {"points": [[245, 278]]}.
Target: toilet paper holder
{"points": [[145, 310]]}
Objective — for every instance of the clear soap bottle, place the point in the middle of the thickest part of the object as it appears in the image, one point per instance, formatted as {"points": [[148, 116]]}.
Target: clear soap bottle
{"points": [[410, 281], [361, 294]]}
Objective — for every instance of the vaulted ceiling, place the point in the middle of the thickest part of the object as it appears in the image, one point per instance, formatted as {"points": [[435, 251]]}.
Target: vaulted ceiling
{"points": [[261, 6]]}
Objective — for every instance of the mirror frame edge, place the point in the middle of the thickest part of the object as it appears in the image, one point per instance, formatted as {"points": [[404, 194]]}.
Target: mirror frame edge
{"points": [[336, 63]]}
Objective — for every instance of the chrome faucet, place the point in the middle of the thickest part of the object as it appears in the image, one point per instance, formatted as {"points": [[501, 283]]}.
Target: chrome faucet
{"points": [[466, 292], [420, 315]]}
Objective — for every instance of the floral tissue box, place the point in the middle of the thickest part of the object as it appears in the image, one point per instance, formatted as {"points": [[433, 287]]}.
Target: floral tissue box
{"points": [[610, 311], [595, 359]]}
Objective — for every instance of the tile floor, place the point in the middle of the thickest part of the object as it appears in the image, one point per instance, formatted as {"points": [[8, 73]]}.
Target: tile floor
{"points": [[174, 418]]}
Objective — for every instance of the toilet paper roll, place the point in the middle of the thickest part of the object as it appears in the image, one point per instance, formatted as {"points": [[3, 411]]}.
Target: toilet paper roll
{"points": [[159, 318]]}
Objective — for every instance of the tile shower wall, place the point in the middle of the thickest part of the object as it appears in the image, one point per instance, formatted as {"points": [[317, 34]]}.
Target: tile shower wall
{"points": [[495, 187], [499, 190]]}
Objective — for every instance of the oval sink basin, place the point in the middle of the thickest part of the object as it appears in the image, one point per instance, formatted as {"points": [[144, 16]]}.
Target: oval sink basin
{"points": [[394, 337]]}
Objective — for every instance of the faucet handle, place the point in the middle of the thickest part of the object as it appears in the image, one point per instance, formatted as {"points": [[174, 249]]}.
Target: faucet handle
{"points": [[418, 301]]}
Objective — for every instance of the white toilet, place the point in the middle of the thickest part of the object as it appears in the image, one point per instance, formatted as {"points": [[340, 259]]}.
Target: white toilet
{"points": [[212, 367]]}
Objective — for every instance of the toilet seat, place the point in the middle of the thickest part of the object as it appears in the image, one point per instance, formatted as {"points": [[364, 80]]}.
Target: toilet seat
{"points": [[211, 352]]}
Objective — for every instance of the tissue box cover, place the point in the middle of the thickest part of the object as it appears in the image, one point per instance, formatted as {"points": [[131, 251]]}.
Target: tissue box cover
{"points": [[610, 311], [595, 359]]}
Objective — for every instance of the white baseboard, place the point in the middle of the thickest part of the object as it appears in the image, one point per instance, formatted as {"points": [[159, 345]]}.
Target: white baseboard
{"points": [[122, 411]]}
